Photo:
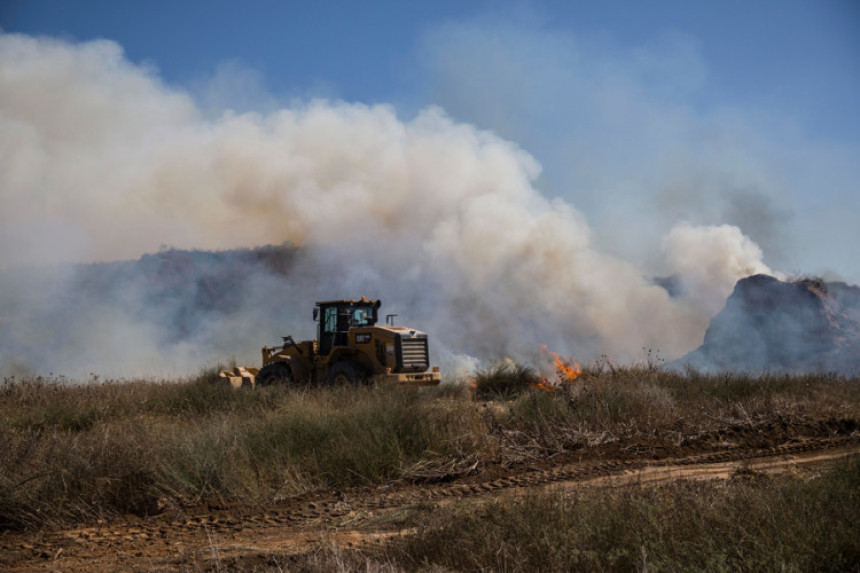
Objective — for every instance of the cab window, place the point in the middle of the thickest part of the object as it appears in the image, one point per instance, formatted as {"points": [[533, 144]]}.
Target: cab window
{"points": [[362, 316], [330, 319]]}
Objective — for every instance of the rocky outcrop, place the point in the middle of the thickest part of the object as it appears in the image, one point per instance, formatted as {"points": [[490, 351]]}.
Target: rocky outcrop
{"points": [[772, 325]]}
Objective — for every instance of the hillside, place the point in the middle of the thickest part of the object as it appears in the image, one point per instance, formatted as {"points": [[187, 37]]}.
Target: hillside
{"points": [[128, 314], [773, 325]]}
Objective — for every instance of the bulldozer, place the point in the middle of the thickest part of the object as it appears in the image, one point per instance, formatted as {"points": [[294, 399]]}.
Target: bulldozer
{"points": [[351, 348]]}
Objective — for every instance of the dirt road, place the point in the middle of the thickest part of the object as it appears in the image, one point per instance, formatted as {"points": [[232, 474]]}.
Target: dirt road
{"points": [[209, 535]]}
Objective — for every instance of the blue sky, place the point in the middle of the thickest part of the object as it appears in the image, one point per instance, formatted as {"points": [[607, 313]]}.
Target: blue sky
{"points": [[738, 112], [800, 56]]}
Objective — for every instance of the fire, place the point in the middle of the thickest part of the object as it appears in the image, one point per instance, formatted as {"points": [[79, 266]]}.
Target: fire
{"points": [[563, 371]]}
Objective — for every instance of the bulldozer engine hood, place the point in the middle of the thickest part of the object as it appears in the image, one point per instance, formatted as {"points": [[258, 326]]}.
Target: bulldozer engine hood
{"points": [[385, 331], [398, 348]]}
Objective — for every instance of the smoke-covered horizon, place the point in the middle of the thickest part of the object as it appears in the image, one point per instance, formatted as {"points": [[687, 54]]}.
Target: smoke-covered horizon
{"points": [[445, 222]]}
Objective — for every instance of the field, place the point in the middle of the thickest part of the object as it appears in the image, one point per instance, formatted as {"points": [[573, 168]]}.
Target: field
{"points": [[618, 470]]}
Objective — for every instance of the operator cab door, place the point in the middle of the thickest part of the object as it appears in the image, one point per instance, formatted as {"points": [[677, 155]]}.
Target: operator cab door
{"points": [[333, 328], [336, 320], [327, 329]]}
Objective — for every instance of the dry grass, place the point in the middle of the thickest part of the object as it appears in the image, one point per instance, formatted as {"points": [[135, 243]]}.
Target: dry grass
{"points": [[782, 525], [668, 409], [82, 453], [78, 453]]}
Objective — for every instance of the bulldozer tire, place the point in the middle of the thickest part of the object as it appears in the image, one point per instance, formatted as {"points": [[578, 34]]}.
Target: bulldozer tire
{"points": [[346, 373], [274, 375]]}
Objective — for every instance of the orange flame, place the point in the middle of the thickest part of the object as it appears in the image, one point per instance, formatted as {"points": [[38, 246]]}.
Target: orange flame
{"points": [[563, 371]]}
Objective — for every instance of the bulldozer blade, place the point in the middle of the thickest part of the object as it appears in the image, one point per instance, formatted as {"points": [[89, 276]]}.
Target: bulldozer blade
{"points": [[240, 376]]}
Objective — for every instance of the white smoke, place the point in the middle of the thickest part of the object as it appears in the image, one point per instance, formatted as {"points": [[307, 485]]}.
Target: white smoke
{"points": [[99, 160], [709, 260]]}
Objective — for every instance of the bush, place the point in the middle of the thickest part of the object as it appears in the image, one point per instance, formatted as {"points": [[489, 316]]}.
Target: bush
{"points": [[504, 381]]}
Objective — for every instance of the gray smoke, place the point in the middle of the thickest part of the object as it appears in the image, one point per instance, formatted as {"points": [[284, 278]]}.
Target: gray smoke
{"points": [[101, 161]]}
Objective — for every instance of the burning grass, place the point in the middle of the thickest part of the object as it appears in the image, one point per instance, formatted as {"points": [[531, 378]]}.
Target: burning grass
{"points": [[661, 411], [78, 453]]}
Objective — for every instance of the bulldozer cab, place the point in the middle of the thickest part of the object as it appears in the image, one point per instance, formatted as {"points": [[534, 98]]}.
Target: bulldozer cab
{"points": [[338, 316]]}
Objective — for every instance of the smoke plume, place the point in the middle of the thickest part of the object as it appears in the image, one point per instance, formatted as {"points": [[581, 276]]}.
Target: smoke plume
{"points": [[101, 161], [709, 260]]}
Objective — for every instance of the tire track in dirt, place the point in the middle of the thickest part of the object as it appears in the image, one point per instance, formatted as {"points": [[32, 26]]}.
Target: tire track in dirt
{"points": [[585, 471], [326, 507], [300, 524]]}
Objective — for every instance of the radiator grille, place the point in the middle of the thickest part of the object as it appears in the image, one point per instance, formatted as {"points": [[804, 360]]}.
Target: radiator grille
{"points": [[413, 353]]}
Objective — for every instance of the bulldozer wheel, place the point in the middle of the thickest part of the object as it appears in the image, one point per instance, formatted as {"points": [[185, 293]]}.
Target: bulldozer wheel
{"points": [[274, 374], [345, 373]]}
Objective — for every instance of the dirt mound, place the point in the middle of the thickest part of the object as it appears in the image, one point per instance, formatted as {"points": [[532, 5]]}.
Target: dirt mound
{"points": [[772, 325]]}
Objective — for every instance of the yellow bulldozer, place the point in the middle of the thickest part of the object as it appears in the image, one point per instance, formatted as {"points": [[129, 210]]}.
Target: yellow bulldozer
{"points": [[351, 348]]}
